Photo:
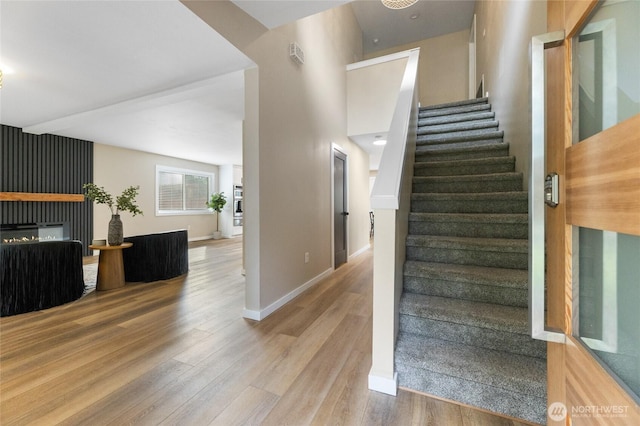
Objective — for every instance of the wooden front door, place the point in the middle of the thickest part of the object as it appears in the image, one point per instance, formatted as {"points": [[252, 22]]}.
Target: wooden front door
{"points": [[599, 193]]}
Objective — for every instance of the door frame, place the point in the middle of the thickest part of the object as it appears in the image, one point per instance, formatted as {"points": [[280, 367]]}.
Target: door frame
{"points": [[337, 148], [574, 377]]}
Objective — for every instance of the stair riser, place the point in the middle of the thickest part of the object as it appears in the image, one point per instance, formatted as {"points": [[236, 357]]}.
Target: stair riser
{"points": [[478, 257], [435, 155], [434, 170], [467, 291], [468, 206], [462, 186], [520, 344], [471, 139], [470, 229]]}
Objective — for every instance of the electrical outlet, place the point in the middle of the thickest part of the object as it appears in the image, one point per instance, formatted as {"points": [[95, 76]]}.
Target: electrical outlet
{"points": [[306, 257]]}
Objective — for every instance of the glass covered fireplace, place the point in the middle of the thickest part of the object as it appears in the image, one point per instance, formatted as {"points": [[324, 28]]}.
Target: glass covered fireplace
{"points": [[34, 232]]}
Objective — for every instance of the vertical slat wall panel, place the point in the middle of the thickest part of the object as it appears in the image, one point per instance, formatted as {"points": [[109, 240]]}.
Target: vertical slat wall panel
{"points": [[51, 164]]}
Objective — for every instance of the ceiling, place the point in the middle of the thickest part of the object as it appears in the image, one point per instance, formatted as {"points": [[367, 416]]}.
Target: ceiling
{"points": [[151, 76]]}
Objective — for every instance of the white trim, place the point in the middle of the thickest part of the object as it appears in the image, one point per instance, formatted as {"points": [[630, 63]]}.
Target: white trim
{"points": [[359, 252], [380, 60], [386, 190], [251, 314], [472, 59], [262, 314], [384, 384]]}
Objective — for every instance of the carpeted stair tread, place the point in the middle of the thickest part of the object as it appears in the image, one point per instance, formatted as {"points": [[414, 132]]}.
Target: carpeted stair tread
{"points": [[490, 182], [462, 103], [484, 315], [488, 165], [492, 252], [457, 127], [457, 118], [517, 373], [467, 282], [466, 243], [469, 150], [489, 379], [428, 113], [457, 152], [470, 217], [485, 225], [463, 136], [499, 277], [470, 202]]}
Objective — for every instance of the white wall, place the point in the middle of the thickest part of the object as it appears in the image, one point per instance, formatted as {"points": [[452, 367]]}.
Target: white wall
{"points": [[372, 94], [294, 114], [118, 168], [504, 32], [444, 67]]}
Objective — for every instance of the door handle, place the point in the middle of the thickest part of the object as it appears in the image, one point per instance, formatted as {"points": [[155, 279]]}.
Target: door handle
{"points": [[537, 190]]}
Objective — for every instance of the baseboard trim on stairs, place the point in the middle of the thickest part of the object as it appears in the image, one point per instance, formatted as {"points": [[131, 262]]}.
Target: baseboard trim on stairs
{"points": [[256, 315], [384, 384]]}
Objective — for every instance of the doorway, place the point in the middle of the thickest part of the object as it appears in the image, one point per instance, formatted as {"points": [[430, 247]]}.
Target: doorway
{"points": [[340, 208]]}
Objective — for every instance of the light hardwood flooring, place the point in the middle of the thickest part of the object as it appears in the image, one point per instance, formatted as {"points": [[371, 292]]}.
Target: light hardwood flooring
{"points": [[179, 352]]}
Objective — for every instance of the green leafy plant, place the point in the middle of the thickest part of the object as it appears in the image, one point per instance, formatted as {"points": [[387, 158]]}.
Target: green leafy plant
{"points": [[125, 202], [216, 203]]}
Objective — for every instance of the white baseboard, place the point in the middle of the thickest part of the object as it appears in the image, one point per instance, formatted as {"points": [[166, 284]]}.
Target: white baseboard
{"points": [[260, 315], [384, 384], [252, 315], [359, 252]]}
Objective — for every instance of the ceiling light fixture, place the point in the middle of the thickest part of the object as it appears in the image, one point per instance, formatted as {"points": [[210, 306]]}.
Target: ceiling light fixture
{"points": [[398, 4], [380, 142]]}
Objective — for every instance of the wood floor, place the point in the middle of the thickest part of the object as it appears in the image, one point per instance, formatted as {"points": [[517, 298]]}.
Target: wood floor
{"points": [[178, 352]]}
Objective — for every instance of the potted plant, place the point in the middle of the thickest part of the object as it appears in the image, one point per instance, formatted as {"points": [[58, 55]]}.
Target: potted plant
{"points": [[216, 203], [125, 202]]}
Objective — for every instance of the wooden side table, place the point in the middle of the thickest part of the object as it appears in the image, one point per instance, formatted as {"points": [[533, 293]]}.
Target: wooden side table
{"points": [[110, 266]]}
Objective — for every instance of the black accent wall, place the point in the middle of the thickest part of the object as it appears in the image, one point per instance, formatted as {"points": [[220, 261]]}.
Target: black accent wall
{"points": [[51, 164]]}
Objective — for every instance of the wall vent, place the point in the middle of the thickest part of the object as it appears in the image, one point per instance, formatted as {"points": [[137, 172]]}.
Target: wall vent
{"points": [[296, 53]]}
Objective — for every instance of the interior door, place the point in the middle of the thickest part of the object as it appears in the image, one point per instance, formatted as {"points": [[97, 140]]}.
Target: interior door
{"points": [[340, 212], [593, 234]]}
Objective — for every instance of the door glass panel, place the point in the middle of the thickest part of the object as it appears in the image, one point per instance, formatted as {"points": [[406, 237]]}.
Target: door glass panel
{"points": [[608, 314], [608, 67]]}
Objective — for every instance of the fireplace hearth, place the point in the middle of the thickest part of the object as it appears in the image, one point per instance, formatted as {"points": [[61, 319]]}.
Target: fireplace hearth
{"points": [[34, 232]]}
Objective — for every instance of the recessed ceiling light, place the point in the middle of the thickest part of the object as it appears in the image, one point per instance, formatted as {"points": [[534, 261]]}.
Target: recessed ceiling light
{"points": [[380, 142], [415, 16], [375, 41]]}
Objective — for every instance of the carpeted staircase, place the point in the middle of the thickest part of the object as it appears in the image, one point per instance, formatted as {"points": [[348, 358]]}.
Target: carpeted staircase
{"points": [[463, 313]]}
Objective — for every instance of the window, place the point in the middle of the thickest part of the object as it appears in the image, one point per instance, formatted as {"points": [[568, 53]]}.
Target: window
{"points": [[180, 191]]}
